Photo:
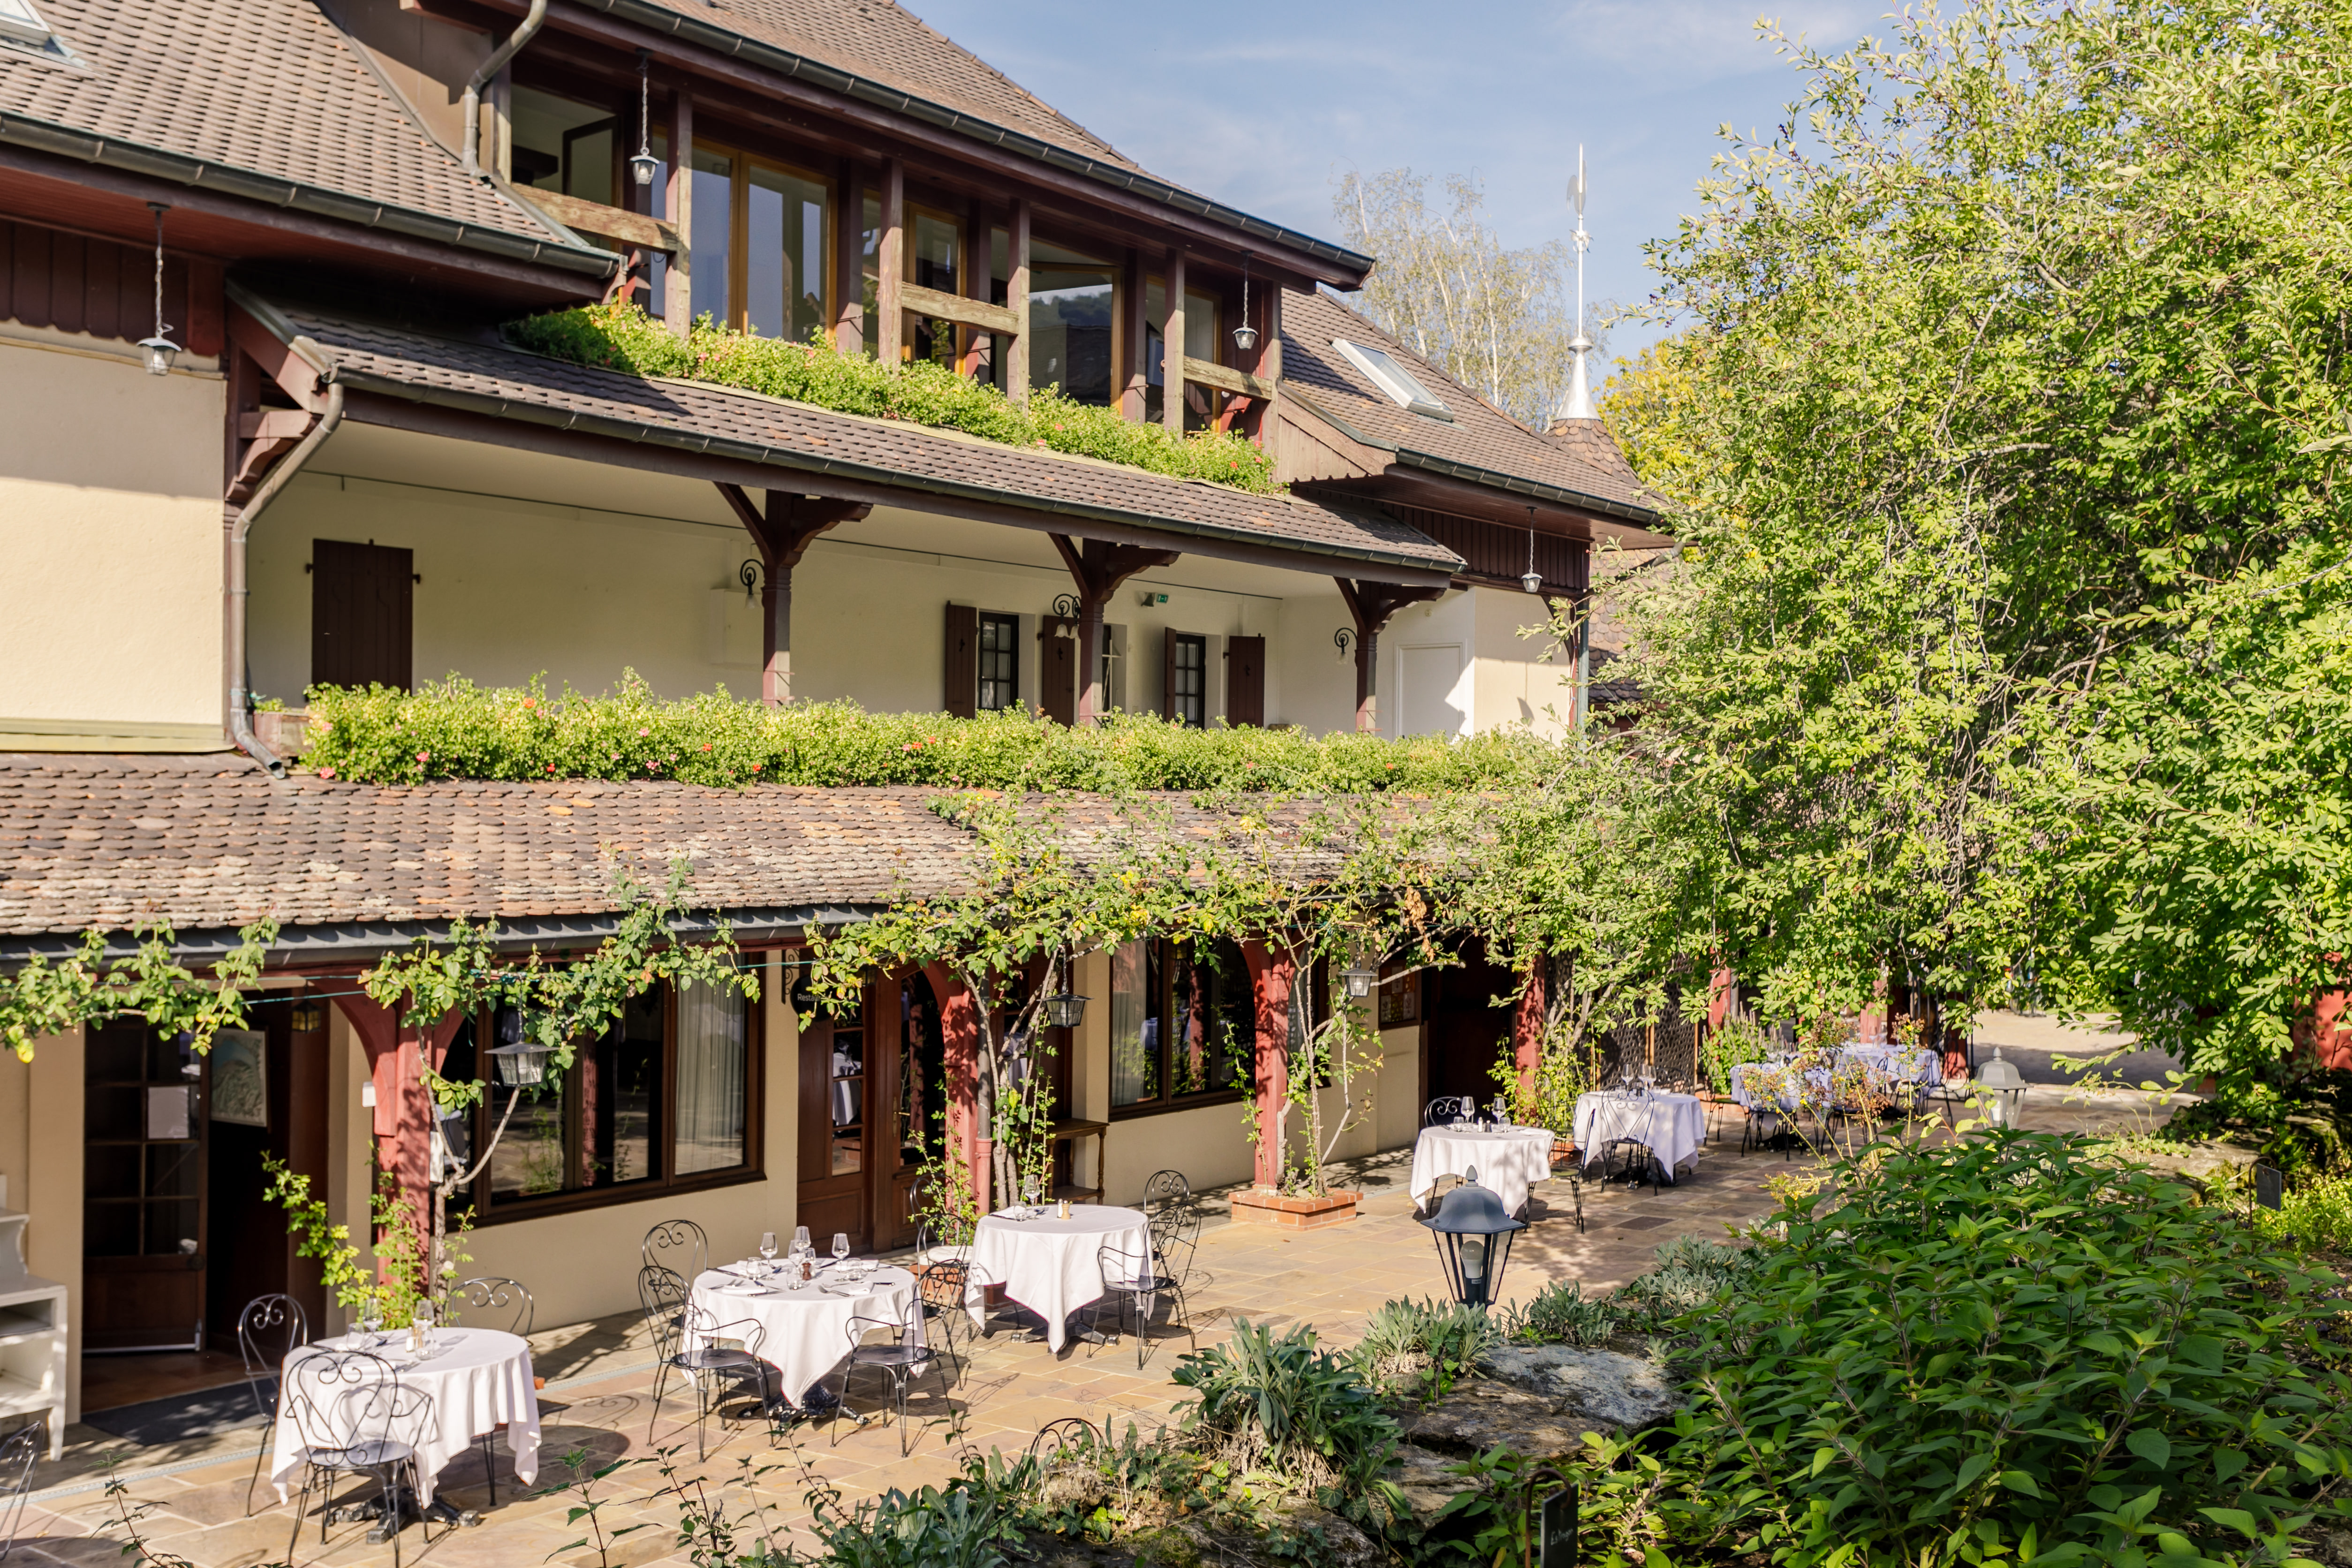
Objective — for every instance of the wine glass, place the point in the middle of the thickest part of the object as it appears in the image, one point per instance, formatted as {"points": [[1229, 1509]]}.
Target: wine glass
{"points": [[371, 1320], [768, 1251], [840, 1245], [1029, 1192], [800, 1247]]}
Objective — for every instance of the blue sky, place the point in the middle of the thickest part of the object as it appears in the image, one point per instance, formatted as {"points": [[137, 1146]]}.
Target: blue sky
{"points": [[1265, 104]]}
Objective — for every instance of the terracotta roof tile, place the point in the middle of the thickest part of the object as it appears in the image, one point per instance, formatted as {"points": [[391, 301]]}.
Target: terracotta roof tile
{"points": [[269, 87], [499, 379], [1584, 461]]}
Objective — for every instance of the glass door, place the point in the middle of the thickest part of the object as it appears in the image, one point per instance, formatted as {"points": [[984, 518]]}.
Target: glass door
{"points": [[835, 1118], [143, 1191]]}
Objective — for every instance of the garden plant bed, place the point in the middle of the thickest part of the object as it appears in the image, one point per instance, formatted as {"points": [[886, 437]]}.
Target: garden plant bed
{"points": [[1257, 1206]]}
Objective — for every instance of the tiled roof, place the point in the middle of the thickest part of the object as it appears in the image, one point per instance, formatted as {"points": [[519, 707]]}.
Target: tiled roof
{"points": [[262, 88], [496, 379], [1584, 463], [214, 842]]}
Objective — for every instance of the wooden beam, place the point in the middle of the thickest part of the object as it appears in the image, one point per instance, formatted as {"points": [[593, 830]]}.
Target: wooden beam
{"points": [[973, 270], [784, 533], [1371, 604], [1224, 378], [1171, 350], [1016, 300], [1134, 327], [678, 308], [890, 263], [1098, 567], [849, 263], [954, 307], [596, 219]]}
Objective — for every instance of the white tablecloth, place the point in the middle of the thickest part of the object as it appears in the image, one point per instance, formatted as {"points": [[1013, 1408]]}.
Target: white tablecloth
{"points": [[481, 1380], [1671, 1126], [805, 1328], [1052, 1267], [1917, 1068], [1509, 1159]]}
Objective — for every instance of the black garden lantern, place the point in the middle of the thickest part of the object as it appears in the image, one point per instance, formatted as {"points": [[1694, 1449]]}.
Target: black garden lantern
{"points": [[519, 1060], [1359, 983], [1474, 1240], [1064, 1009]]}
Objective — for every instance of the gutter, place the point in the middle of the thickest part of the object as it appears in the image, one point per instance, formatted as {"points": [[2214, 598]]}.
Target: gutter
{"points": [[472, 101], [800, 68], [157, 162], [240, 526], [1490, 478]]}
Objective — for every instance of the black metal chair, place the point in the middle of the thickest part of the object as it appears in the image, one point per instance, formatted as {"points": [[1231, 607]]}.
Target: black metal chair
{"points": [[354, 1416], [678, 1246], [18, 1452], [1126, 1280], [896, 1359], [495, 1297], [690, 1340], [267, 1332], [942, 1288], [1765, 1125], [1062, 1434], [1447, 1109], [937, 1241]]}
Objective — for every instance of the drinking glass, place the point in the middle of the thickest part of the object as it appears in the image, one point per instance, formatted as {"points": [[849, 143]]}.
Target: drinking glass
{"points": [[371, 1321], [767, 1250], [840, 1245], [800, 1238], [1029, 1190]]}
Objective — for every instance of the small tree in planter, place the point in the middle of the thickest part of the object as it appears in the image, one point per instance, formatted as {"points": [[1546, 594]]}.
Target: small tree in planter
{"points": [[563, 1002]]}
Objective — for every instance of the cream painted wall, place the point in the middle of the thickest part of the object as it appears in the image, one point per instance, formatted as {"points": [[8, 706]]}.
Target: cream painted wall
{"points": [[52, 1184], [1209, 1145], [110, 526], [1517, 679], [1447, 623], [1398, 1119]]}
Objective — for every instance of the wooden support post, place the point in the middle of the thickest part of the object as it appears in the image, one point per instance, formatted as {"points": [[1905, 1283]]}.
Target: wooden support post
{"points": [[959, 1040], [1099, 568], [890, 262], [849, 263], [972, 283], [403, 1119], [784, 533], [1371, 604], [678, 307], [1016, 300], [1134, 326], [1272, 972], [1171, 350]]}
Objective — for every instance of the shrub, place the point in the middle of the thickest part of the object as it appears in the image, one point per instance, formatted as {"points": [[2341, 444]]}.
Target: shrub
{"points": [[2316, 1214], [1562, 1314], [1690, 1273], [454, 729], [1284, 1406], [1426, 1344], [976, 1520], [2004, 1347], [620, 336]]}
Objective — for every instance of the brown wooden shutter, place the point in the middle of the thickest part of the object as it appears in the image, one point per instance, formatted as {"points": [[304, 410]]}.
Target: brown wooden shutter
{"points": [[1057, 667], [1168, 706], [1245, 682], [963, 662], [363, 613]]}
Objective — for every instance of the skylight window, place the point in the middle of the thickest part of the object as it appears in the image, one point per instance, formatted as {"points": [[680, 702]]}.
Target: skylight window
{"points": [[1386, 372], [22, 30]]}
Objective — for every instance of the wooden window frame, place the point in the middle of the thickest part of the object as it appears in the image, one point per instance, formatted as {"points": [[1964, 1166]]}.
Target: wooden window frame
{"points": [[981, 654], [490, 1210], [739, 228], [1164, 1103]]}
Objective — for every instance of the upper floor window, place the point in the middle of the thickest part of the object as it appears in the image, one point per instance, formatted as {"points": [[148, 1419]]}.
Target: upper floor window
{"points": [[1000, 662], [1203, 339], [759, 234], [1392, 378], [563, 145], [1188, 679], [1072, 309], [1184, 1023]]}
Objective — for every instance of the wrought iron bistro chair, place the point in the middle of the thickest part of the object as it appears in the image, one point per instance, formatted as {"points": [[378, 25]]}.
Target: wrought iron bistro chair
{"points": [[354, 1416], [678, 1246], [267, 1332], [493, 1297], [711, 1362], [942, 1286], [1175, 1225], [1447, 1109], [898, 1358], [18, 1452]]}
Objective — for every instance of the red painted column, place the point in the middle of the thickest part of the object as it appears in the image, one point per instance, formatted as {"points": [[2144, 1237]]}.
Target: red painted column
{"points": [[402, 1123], [1271, 971], [1718, 1000], [1526, 1024], [2325, 1035], [960, 1037]]}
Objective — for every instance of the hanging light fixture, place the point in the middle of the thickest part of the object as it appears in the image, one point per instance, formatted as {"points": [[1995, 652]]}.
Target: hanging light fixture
{"points": [[1359, 983], [1245, 335], [1064, 1010], [521, 1061], [644, 164], [1531, 579], [160, 350]]}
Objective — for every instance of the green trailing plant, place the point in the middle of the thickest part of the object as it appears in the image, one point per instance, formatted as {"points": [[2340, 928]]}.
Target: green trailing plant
{"points": [[1562, 1314], [130, 1514], [455, 729], [1423, 1347], [2007, 1349], [1281, 1405], [715, 1530], [621, 336], [45, 996], [581, 1477], [309, 1219], [1735, 1042]]}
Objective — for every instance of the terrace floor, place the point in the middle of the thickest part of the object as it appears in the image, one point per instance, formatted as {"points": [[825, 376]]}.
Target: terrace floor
{"points": [[600, 1382]]}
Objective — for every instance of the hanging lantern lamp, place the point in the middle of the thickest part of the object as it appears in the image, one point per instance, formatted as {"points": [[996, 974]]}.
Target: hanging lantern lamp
{"points": [[160, 350], [644, 164], [1064, 1010], [1245, 335], [1531, 579]]}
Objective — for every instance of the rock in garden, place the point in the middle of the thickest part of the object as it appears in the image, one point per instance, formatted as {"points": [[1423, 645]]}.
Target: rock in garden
{"points": [[1602, 1390]]}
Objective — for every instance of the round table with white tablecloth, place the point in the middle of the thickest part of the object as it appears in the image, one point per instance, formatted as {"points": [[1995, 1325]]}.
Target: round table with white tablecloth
{"points": [[804, 1328], [1509, 1160], [1053, 1267], [1671, 1126], [477, 1380]]}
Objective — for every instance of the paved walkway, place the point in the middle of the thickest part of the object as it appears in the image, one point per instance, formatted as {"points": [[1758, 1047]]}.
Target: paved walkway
{"points": [[598, 1401]]}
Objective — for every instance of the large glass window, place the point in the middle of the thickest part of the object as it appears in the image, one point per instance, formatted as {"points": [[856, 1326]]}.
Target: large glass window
{"points": [[1000, 662], [561, 145], [713, 235], [1183, 1024], [934, 260], [783, 253], [1072, 309], [1203, 339]]}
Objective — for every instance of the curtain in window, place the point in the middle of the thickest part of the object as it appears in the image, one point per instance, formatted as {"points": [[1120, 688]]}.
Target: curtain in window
{"points": [[711, 1029], [1134, 1043]]}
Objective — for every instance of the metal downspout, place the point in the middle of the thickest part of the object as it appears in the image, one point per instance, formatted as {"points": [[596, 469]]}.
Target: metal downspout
{"points": [[472, 108], [240, 525]]}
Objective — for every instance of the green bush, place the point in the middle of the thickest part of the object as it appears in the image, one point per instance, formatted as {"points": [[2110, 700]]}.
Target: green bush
{"points": [[1691, 1273], [1562, 1314], [2316, 1214], [976, 1520], [1282, 1406], [2005, 1348], [454, 729], [620, 336], [1424, 1346]]}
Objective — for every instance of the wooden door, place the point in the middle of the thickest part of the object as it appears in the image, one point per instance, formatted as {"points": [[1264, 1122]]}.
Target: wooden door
{"points": [[363, 612], [1467, 1033], [838, 1157], [1057, 667], [143, 1191], [1245, 682], [962, 676]]}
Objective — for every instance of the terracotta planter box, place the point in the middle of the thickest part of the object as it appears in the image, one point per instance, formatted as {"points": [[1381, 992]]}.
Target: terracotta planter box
{"points": [[287, 733], [1561, 1149], [1255, 1208]]}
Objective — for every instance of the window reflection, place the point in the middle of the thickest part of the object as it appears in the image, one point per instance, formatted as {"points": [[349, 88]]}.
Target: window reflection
{"points": [[784, 254], [1072, 301], [849, 1096]]}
